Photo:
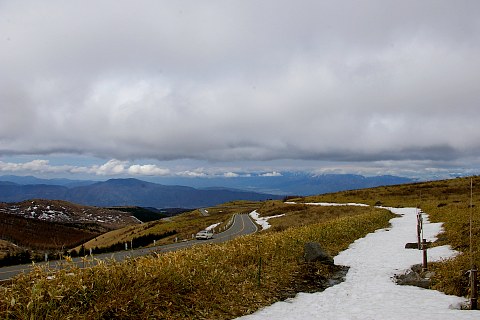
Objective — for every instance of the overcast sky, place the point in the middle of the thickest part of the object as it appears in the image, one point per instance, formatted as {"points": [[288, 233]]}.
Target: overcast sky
{"points": [[231, 87]]}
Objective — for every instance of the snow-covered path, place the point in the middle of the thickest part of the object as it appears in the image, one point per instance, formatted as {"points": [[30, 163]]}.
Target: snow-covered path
{"points": [[369, 291]]}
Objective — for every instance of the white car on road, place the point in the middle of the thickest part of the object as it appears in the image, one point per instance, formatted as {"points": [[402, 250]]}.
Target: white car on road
{"points": [[204, 234]]}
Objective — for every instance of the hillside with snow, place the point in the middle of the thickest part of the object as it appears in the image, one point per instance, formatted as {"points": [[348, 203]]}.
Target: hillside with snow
{"points": [[369, 290], [37, 226]]}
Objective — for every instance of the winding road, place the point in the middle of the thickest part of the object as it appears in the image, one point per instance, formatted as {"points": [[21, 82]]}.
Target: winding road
{"points": [[242, 225]]}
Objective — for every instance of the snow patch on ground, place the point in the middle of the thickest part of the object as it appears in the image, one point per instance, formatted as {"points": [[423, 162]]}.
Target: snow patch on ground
{"points": [[263, 222], [369, 291], [329, 204], [213, 226], [61, 214]]}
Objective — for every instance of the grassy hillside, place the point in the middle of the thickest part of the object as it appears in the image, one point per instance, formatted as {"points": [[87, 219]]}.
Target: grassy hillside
{"points": [[185, 225], [214, 281], [446, 201]]}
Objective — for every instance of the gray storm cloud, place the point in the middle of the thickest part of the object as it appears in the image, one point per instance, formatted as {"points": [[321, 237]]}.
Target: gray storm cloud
{"points": [[245, 80]]}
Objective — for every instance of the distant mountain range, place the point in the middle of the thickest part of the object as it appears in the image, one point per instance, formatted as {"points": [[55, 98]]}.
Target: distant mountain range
{"points": [[121, 192], [23, 180], [173, 192], [290, 183]]}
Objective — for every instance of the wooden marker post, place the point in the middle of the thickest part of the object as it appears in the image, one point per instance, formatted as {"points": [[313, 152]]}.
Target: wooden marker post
{"points": [[424, 248], [419, 230], [259, 275]]}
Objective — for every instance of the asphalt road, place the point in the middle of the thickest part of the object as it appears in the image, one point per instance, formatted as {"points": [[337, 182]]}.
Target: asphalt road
{"points": [[242, 225]]}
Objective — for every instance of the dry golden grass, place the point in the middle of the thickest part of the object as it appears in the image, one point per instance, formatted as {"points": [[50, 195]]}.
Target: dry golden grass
{"points": [[207, 282], [8, 248], [111, 237], [300, 214]]}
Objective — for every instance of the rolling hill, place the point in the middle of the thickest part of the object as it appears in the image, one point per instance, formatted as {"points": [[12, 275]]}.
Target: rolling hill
{"points": [[128, 192], [40, 226]]}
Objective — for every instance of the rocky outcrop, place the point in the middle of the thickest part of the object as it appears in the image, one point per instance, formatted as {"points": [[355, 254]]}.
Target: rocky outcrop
{"points": [[415, 277]]}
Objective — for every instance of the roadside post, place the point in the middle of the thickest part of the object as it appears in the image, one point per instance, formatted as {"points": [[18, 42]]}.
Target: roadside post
{"points": [[259, 275]]}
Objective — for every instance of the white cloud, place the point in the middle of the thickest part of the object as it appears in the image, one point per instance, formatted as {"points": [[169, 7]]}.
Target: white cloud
{"points": [[147, 170], [117, 167], [111, 168], [231, 175], [192, 173], [40, 166], [271, 174]]}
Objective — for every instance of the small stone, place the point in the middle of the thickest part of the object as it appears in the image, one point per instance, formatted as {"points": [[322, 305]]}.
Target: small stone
{"points": [[412, 278], [313, 252]]}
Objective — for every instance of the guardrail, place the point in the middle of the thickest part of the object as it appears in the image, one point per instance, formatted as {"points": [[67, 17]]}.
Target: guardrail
{"points": [[230, 222]]}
